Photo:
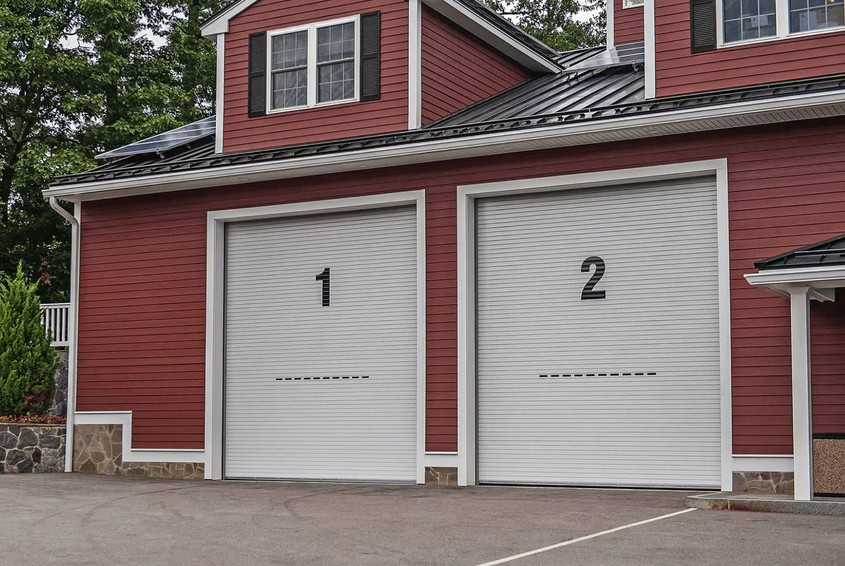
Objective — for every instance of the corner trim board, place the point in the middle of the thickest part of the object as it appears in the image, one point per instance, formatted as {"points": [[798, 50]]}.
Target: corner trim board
{"points": [[650, 49], [215, 307], [467, 418], [414, 64], [220, 94]]}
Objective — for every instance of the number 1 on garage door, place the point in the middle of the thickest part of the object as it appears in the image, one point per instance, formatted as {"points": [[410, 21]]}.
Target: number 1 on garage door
{"points": [[325, 277]]}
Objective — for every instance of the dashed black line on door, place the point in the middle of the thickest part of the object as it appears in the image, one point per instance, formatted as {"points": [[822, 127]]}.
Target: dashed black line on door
{"points": [[604, 374], [323, 378]]}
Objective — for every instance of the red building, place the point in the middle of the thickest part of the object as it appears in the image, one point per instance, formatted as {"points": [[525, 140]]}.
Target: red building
{"points": [[417, 244]]}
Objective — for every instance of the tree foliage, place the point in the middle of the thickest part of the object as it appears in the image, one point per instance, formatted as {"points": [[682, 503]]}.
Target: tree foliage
{"points": [[27, 360], [560, 24], [78, 77]]}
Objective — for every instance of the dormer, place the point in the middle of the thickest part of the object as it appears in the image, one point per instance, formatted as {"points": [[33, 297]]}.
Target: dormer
{"points": [[708, 45], [294, 72]]}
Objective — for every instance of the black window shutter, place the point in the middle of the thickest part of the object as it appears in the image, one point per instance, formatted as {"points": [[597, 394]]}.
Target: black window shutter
{"points": [[257, 74], [703, 25], [370, 56]]}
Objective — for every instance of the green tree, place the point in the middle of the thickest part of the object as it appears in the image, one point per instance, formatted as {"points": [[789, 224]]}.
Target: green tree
{"points": [[40, 74], [27, 361], [560, 24], [79, 77]]}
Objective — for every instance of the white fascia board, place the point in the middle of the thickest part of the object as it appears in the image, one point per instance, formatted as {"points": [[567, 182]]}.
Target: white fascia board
{"points": [[220, 22], [482, 29], [740, 114]]}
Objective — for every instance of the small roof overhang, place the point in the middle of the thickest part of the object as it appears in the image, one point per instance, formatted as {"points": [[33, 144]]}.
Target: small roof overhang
{"points": [[820, 267]]}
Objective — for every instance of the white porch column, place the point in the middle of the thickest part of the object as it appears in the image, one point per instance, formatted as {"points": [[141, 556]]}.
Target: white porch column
{"points": [[802, 401]]}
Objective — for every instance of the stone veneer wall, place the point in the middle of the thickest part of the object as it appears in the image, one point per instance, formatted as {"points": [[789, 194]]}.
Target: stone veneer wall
{"points": [[28, 449], [98, 449], [764, 482], [441, 476]]}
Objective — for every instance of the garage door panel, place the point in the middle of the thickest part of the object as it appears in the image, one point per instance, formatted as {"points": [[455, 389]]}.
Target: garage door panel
{"points": [[314, 391], [558, 385]]}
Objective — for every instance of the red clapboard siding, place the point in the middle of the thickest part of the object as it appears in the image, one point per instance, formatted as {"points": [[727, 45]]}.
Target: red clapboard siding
{"points": [[458, 69], [628, 26], [771, 166], [678, 71], [389, 114]]}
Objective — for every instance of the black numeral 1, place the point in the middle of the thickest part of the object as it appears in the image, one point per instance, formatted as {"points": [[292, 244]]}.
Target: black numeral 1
{"points": [[325, 277]]}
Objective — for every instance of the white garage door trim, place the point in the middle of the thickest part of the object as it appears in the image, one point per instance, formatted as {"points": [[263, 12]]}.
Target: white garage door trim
{"points": [[467, 402], [216, 223]]}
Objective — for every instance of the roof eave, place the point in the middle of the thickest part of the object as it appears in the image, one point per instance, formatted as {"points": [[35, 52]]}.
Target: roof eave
{"points": [[783, 109], [219, 23], [510, 46]]}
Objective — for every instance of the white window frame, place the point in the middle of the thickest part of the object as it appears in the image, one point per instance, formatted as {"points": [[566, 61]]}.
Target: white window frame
{"points": [[782, 19], [312, 68]]}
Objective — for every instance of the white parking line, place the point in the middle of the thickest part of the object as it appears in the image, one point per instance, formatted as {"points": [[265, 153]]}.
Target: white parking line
{"points": [[581, 539]]}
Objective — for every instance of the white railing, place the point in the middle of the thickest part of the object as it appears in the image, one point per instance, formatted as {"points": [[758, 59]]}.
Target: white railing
{"points": [[54, 318]]}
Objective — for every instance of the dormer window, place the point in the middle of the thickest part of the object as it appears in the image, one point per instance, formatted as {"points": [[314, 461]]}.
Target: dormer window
{"points": [[313, 65]]}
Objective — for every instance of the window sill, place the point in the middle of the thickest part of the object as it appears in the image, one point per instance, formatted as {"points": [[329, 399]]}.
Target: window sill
{"points": [[314, 107]]}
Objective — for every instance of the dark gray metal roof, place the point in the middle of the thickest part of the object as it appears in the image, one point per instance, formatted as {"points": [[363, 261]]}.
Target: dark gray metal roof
{"points": [[582, 97], [828, 252], [555, 94]]}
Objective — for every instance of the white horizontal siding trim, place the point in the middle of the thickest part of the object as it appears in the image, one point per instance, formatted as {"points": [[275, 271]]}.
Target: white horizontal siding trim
{"points": [[124, 418], [441, 460], [763, 463]]}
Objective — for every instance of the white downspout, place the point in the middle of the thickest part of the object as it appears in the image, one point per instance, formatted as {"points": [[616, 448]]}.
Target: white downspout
{"points": [[73, 220]]}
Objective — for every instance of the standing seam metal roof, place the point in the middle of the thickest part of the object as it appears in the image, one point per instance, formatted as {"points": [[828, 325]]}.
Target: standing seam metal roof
{"points": [[821, 254], [568, 97]]}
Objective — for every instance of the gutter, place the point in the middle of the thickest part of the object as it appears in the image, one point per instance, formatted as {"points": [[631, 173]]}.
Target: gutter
{"points": [[723, 116], [73, 324]]}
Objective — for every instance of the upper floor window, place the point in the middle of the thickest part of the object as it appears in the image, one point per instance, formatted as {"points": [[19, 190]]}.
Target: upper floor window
{"points": [[748, 20], [808, 15], [313, 65]]}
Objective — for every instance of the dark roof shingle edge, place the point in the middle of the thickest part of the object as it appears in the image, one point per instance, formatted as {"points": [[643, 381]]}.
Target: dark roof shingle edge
{"points": [[820, 254]]}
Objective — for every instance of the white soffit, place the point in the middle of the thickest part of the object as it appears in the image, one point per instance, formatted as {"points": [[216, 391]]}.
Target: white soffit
{"points": [[477, 26], [822, 281], [742, 114]]}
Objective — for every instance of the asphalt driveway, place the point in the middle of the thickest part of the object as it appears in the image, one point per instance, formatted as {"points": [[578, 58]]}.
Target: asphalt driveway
{"points": [[85, 520]]}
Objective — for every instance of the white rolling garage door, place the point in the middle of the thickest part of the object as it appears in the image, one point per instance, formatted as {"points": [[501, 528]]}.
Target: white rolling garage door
{"points": [[321, 347], [584, 390]]}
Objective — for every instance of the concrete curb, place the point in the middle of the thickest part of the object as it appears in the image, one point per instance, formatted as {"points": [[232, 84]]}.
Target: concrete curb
{"points": [[761, 504]]}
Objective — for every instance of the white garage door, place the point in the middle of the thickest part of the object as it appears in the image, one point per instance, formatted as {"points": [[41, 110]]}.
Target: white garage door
{"points": [[321, 347], [612, 383]]}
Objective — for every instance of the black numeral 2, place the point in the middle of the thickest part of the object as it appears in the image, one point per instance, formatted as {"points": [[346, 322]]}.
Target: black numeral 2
{"points": [[325, 277], [589, 291]]}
